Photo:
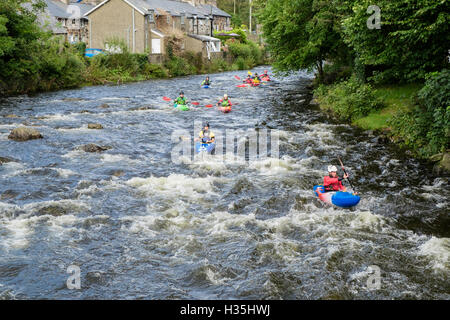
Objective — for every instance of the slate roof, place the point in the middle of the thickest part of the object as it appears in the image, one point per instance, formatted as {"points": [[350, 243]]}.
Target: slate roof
{"points": [[207, 9], [174, 8]]}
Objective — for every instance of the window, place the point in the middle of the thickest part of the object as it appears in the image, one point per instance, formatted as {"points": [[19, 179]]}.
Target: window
{"points": [[168, 19], [73, 21], [156, 45], [182, 19]]}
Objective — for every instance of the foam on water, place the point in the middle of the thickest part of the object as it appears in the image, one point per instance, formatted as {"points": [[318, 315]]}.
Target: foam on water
{"points": [[175, 185], [438, 251]]}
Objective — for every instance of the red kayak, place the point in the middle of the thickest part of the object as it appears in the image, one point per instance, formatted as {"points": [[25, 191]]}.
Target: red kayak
{"points": [[225, 109]]}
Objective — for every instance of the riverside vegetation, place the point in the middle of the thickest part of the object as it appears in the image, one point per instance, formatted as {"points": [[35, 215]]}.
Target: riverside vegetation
{"points": [[33, 60], [391, 77]]}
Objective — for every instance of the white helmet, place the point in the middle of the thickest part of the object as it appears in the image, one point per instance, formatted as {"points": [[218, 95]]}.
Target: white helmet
{"points": [[332, 169]]}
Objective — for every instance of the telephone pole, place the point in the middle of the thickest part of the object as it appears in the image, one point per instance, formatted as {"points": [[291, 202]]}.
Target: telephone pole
{"points": [[250, 16]]}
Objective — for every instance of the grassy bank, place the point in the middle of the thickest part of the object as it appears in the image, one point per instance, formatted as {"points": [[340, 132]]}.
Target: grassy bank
{"points": [[395, 99], [416, 116]]}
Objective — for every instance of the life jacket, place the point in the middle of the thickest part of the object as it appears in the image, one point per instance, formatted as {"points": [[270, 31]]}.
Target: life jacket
{"points": [[225, 103], [206, 83], [206, 135], [180, 101], [248, 80], [333, 184]]}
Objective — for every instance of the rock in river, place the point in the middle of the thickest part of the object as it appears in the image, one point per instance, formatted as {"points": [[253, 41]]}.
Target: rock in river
{"points": [[24, 134], [94, 148], [95, 126]]}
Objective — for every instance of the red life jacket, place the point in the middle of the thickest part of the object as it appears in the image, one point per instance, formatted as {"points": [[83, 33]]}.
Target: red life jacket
{"points": [[333, 184]]}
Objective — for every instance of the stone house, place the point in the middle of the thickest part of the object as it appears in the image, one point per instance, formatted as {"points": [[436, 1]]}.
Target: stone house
{"points": [[66, 18], [146, 25]]}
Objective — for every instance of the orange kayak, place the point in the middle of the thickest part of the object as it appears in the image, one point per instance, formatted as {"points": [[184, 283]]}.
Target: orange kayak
{"points": [[225, 109]]}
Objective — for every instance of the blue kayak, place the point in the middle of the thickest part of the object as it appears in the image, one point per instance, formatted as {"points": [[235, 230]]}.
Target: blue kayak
{"points": [[338, 198], [205, 86], [204, 147]]}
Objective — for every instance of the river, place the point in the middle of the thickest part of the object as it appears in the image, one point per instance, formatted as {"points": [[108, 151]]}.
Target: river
{"points": [[139, 225]]}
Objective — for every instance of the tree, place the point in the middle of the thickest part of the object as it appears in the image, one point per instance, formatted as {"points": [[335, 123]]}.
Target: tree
{"points": [[412, 41], [302, 34]]}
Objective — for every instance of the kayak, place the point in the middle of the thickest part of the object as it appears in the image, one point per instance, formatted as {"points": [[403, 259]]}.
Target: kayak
{"points": [[204, 147], [205, 86], [181, 107], [242, 85], [225, 109], [338, 198], [265, 79]]}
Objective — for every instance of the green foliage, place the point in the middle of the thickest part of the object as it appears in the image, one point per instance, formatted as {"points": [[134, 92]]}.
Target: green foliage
{"points": [[178, 66], [30, 58], [238, 30], [413, 39], [195, 59], [242, 10], [426, 130], [335, 72], [154, 71], [249, 54], [301, 34], [80, 47], [349, 100]]}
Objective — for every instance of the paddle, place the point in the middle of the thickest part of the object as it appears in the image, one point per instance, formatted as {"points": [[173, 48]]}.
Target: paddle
{"points": [[342, 166], [209, 106], [237, 78]]}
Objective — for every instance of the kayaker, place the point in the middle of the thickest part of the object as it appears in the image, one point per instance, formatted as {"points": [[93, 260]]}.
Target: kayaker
{"points": [[224, 102], [248, 79], [332, 182], [265, 76], [206, 135], [256, 77], [206, 82], [181, 100]]}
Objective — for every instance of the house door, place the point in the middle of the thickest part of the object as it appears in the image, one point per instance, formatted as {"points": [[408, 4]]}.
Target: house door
{"points": [[156, 45]]}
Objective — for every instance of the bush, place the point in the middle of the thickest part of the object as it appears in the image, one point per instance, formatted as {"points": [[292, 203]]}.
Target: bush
{"points": [[178, 66], [154, 71], [335, 72], [195, 59], [426, 130], [349, 100]]}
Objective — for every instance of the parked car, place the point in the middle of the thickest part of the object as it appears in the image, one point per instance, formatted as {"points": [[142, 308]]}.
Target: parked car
{"points": [[91, 52]]}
